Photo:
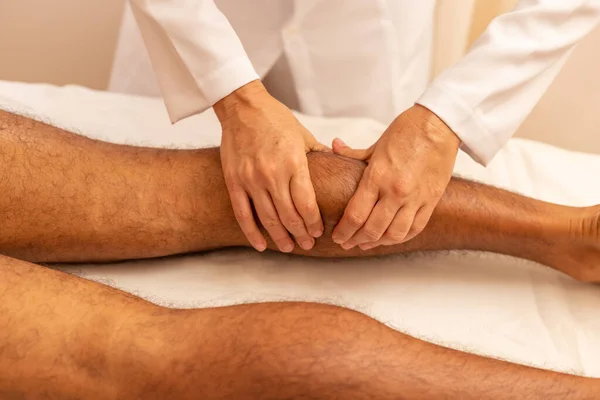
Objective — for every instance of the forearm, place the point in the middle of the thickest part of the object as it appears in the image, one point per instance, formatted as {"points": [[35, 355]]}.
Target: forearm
{"points": [[65, 337]]}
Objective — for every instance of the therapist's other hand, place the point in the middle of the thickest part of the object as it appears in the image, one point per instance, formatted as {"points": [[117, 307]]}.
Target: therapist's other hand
{"points": [[408, 170], [263, 154]]}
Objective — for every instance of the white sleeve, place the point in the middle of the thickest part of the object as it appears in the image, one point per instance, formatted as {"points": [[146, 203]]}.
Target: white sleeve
{"points": [[195, 53], [486, 95]]}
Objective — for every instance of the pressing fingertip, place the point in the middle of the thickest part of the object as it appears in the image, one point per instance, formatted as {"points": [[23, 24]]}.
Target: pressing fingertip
{"points": [[337, 142], [287, 247], [307, 244], [317, 233], [347, 246], [260, 247]]}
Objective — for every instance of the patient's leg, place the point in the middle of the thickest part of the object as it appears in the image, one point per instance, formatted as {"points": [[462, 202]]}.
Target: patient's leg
{"points": [[62, 337], [69, 198]]}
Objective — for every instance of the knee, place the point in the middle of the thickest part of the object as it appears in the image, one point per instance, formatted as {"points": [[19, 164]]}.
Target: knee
{"points": [[335, 179], [275, 351]]}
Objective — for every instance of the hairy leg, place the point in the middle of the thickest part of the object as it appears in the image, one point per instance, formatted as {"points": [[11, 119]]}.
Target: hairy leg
{"points": [[70, 198], [63, 337]]}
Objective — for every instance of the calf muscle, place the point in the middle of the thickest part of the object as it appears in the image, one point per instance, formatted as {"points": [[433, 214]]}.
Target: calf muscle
{"points": [[66, 338], [76, 199]]}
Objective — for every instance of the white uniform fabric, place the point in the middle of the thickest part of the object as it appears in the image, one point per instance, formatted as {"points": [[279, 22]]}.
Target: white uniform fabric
{"points": [[489, 93], [484, 303], [346, 57], [361, 58]]}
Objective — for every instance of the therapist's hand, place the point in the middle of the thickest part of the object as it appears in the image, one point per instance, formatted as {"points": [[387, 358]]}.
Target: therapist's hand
{"points": [[408, 170], [263, 154]]}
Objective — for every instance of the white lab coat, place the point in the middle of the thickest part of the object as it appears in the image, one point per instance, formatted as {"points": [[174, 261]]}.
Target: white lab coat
{"points": [[363, 58]]}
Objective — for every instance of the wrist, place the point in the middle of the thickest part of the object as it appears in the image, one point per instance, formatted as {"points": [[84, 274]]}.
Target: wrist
{"points": [[248, 96], [435, 128]]}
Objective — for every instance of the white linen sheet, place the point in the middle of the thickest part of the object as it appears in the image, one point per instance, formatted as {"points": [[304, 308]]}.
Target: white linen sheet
{"points": [[484, 303]]}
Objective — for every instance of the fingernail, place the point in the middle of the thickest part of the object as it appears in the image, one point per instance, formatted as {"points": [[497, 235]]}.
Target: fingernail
{"points": [[339, 142], [347, 246], [261, 247], [336, 239], [307, 244], [318, 233], [366, 246], [287, 248]]}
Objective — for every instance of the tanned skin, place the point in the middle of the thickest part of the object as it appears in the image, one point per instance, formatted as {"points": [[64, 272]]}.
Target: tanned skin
{"points": [[133, 202], [68, 198]]}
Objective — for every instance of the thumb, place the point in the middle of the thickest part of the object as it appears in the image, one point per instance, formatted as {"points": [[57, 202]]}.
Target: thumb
{"points": [[341, 148]]}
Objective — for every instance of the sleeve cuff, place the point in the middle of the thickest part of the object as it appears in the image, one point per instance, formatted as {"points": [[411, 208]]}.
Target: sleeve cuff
{"points": [[225, 80], [477, 141], [211, 88]]}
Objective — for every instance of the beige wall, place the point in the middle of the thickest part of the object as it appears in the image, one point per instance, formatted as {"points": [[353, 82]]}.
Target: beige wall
{"points": [[569, 113], [73, 41], [58, 41]]}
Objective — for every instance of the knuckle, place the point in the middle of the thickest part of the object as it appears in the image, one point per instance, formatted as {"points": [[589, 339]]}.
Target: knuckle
{"points": [[355, 220], [395, 237], [377, 172], [266, 168], [245, 169], [372, 235], [400, 190], [294, 161], [309, 208], [269, 223], [294, 223], [242, 215]]}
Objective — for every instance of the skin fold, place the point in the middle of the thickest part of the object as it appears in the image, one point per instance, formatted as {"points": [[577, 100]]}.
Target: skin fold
{"points": [[67, 198]]}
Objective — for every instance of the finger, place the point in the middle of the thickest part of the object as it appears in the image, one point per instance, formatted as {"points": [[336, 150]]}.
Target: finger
{"points": [[378, 222], [358, 210], [339, 147], [290, 218], [305, 201], [313, 144], [320, 147], [400, 226], [419, 223], [421, 220], [243, 214], [369, 246], [271, 222]]}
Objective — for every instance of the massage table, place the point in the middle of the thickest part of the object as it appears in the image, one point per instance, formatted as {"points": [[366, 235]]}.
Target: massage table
{"points": [[483, 303]]}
